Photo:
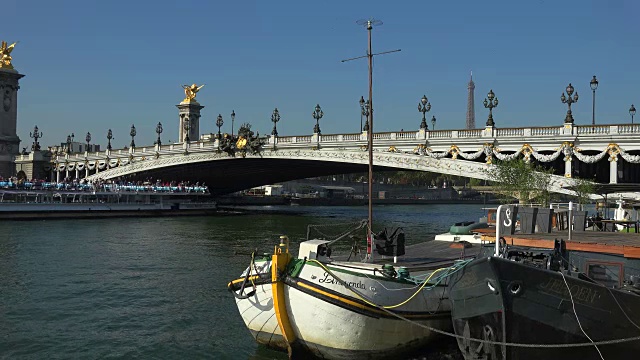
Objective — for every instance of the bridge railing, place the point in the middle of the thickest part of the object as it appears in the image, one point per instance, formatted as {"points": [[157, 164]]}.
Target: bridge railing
{"points": [[386, 138]]}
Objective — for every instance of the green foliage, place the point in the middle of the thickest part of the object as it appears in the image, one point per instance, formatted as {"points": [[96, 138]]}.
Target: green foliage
{"points": [[474, 182], [521, 180], [583, 189]]}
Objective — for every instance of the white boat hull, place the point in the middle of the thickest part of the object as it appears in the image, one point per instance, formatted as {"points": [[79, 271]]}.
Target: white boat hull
{"points": [[473, 238], [334, 323]]}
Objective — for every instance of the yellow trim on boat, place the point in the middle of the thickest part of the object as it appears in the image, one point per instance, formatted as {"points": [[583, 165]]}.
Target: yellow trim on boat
{"points": [[339, 298], [251, 278], [279, 261]]}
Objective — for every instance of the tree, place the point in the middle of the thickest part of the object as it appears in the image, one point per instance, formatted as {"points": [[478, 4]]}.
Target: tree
{"points": [[583, 189], [522, 180]]}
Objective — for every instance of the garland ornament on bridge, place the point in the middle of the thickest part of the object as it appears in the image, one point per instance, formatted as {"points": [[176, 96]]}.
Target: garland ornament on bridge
{"points": [[527, 151]]}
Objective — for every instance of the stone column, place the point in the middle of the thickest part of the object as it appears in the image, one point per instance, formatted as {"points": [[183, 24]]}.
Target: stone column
{"points": [[189, 111], [9, 140], [613, 169], [567, 166]]}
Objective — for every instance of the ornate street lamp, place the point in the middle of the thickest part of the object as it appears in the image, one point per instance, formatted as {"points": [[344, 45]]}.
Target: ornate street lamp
{"points": [[88, 140], [424, 106], [568, 100], [361, 102], [490, 102], [68, 144], [35, 135], [219, 123], [186, 127], [594, 85], [233, 119], [433, 123], [317, 114], [632, 112], [133, 133], [365, 113], [275, 117], [109, 137], [159, 131]]}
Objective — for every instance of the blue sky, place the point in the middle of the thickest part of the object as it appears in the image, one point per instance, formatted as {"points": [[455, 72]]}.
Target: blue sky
{"points": [[95, 65]]}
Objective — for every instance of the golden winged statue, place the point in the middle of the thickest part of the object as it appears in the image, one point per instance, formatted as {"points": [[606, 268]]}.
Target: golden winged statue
{"points": [[190, 92], [5, 55]]}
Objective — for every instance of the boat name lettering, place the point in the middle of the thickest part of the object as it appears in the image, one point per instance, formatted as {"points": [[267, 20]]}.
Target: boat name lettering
{"points": [[579, 292], [328, 279]]}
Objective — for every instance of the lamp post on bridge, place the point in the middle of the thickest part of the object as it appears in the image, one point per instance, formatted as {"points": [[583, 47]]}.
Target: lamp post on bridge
{"points": [[424, 106], [159, 131], [88, 140], [35, 135], [186, 128], [632, 112], [569, 100], [365, 113], [109, 137], [69, 140], [233, 119], [317, 114], [594, 85], [133, 133], [361, 102], [433, 123], [219, 123], [490, 102], [275, 117]]}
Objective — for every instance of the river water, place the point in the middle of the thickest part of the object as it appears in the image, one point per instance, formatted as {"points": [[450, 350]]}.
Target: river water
{"points": [[155, 288]]}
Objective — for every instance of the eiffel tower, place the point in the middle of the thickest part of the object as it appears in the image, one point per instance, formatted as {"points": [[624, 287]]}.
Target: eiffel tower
{"points": [[471, 112]]}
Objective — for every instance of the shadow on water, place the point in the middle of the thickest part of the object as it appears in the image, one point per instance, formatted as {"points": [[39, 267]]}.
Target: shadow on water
{"points": [[442, 349]]}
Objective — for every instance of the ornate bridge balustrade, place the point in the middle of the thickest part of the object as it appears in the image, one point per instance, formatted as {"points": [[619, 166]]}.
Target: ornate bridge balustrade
{"points": [[608, 153]]}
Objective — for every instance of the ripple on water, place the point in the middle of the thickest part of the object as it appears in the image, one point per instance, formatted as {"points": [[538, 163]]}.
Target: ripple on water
{"points": [[152, 288]]}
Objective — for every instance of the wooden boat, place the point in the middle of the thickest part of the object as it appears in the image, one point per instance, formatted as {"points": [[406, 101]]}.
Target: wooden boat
{"points": [[338, 308], [342, 309], [545, 296]]}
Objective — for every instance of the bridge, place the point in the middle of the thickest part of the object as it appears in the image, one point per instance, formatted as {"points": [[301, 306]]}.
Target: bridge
{"points": [[604, 153]]}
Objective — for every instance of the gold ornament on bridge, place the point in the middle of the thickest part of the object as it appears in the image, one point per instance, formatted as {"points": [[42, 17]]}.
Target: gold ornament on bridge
{"points": [[5, 55], [190, 92], [241, 143]]}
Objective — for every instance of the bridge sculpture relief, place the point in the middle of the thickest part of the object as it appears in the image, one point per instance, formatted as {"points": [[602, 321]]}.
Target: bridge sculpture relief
{"points": [[455, 152]]}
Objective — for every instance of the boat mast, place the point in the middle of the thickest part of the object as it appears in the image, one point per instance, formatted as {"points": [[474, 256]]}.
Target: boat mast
{"points": [[370, 148], [370, 23]]}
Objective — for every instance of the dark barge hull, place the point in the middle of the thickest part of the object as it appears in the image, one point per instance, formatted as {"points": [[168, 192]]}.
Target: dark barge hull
{"points": [[510, 302]]}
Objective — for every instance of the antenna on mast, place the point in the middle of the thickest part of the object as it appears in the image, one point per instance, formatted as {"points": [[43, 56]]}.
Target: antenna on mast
{"points": [[368, 111]]}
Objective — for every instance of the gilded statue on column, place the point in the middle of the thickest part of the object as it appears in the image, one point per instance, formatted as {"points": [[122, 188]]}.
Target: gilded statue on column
{"points": [[5, 55], [190, 92]]}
